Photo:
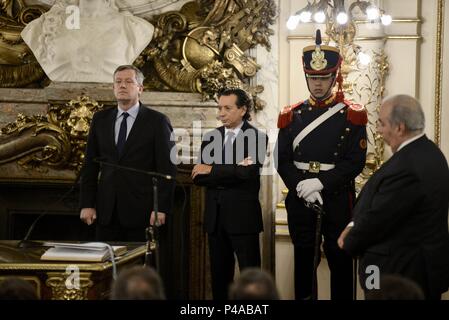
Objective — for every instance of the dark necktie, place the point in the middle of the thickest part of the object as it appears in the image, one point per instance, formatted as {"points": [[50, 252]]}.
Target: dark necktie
{"points": [[122, 134], [227, 148]]}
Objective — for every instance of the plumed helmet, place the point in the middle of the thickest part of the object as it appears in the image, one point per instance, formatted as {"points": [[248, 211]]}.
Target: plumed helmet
{"points": [[320, 60]]}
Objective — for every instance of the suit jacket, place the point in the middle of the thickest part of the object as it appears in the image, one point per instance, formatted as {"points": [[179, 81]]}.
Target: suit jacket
{"points": [[147, 148], [232, 190], [401, 217]]}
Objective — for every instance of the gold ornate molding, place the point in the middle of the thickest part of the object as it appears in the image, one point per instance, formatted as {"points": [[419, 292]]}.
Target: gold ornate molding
{"points": [[371, 86], [201, 48], [281, 222], [280, 205], [390, 37], [367, 88], [204, 46], [439, 70], [60, 291], [59, 266], [397, 20], [57, 139], [18, 67], [406, 37], [282, 233]]}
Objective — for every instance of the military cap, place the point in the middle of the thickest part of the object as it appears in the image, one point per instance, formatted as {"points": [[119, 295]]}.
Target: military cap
{"points": [[320, 60]]}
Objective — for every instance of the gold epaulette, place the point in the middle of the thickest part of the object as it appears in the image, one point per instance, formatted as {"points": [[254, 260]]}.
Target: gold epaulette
{"points": [[357, 114], [286, 115]]}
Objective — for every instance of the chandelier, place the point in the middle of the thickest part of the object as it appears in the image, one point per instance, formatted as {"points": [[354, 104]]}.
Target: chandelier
{"points": [[340, 20], [321, 11]]}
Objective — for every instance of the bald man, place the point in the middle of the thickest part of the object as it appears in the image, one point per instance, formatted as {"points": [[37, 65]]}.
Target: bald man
{"points": [[400, 223]]}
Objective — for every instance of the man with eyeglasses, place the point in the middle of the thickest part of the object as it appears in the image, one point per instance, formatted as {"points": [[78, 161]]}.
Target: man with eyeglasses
{"points": [[131, 135], [321, 148]]}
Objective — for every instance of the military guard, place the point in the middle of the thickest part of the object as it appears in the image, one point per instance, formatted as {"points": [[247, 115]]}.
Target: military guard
{"points": [[321, 148]]}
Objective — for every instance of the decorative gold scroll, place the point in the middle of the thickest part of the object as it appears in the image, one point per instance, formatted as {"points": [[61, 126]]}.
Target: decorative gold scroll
{"points": [[57, 139]]}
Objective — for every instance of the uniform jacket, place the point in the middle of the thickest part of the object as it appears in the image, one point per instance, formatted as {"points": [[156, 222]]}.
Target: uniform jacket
{"points": [[339, 141]]}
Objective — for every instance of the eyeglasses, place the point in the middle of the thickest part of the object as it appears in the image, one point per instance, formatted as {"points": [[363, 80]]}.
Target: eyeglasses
{"points": [[127, 83]]}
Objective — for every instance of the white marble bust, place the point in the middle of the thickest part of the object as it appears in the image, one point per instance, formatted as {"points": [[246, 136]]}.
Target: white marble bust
{"points": [[106, 38]]}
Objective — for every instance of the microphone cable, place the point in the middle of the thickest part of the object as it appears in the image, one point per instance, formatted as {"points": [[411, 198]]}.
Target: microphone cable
{"points": [[59, 200]]}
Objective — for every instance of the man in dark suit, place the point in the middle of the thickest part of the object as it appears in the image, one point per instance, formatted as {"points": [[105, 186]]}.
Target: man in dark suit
{"points": [[400, 220], [130, 135], [229, 164]]}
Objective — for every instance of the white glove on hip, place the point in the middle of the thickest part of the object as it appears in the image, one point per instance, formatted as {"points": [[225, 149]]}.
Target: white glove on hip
{"points": [[315, 196], [306, 187]]}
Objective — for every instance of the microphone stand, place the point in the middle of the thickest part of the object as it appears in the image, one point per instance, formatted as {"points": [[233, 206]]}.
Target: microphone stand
{"points": [[152, 231], [150, 173]]}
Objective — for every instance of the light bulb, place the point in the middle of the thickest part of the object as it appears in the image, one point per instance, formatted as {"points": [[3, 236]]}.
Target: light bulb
{"points": [[319, 17], [292, 22], [364, 59], [372, 13], [342, 18], [386, 19], [305, 16]]}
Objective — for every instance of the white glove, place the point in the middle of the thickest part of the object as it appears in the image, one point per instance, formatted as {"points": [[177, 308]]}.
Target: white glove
{"points": [[314, 197], [306, 187]]}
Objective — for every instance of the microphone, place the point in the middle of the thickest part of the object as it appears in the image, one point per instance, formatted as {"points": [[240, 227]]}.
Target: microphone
{"points": [[33, 225], [150, 173], [152, 233]]}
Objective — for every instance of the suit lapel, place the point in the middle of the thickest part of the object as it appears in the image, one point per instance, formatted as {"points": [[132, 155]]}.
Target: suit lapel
{"points": [[244, 127], [222, 132], [112, 118]]}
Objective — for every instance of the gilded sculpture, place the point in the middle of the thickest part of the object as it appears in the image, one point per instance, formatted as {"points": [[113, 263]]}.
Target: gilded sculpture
{"points": [[55, 140], [18, 67], [366, 88], [203, 47], [57, 282], [200, 48]]}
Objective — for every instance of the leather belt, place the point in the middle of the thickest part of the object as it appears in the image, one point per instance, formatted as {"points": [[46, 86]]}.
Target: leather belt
{"points": [[313, 166]]}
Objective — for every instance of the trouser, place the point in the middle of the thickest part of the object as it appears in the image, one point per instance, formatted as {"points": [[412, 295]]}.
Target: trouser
{"points": [[114, 231], [340, 266], [302, 223], [222, 247]]}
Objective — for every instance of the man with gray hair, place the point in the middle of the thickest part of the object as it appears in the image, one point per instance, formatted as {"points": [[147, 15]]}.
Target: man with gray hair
{"points": [[400, 222], [120, 202]]}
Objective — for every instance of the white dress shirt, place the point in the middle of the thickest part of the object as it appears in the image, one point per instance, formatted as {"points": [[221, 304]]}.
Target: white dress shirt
{"points": [[403, 144], [133, 112], [235, 130]]}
